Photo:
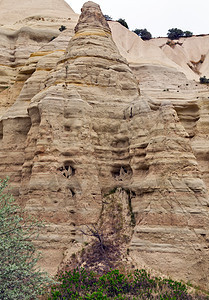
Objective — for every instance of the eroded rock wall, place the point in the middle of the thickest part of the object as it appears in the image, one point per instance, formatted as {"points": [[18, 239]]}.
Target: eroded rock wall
{"points": [[80, 127]]}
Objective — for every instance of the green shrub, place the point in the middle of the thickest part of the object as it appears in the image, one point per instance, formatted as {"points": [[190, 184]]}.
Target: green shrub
{"points": [[62, 28], [143, 33], [123, 22], [108, 18], [85, 284], [19, 276], [204, 80], [175, 33], [188, 33]]}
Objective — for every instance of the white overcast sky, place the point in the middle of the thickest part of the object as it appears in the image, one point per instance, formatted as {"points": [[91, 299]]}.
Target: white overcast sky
{"points": [[157, 16]]}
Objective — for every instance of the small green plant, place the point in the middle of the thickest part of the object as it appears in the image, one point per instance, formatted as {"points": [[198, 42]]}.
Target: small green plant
{"points": [[108, 18], [143, 33], [62, 28], [188, 33], [123, 22], [204, 80]]}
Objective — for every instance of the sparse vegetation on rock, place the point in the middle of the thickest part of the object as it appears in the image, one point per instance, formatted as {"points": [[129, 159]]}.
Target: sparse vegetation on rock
{"points": [[108, 18], [62, 28], [204, 80], [176, 33], [123, 22], [95, 233], [188, 33], [143, 33]]}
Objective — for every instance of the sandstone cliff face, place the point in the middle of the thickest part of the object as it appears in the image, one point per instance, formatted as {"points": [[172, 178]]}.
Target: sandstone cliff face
{"points": [[24, 29], [186, 55], [75, 125], [189, 53]]}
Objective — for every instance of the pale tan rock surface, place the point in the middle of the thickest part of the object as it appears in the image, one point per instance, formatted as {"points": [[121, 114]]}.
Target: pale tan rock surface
{"points": [[13, 11], [75, 125], [189, 53], [25, 26]]}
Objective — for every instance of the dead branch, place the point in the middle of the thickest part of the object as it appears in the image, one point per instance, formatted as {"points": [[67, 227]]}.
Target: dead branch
{"points": [[94, 232]]}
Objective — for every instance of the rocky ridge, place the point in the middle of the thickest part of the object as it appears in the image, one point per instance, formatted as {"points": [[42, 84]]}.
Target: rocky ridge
{"points": [[74, 126]]}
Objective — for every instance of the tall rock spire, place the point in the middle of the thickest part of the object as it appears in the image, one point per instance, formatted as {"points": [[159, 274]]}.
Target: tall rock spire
{"points": [[91, 18], [95, 59]]}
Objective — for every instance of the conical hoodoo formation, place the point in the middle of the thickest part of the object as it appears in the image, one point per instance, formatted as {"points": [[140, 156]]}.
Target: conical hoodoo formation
{"points": [[85, 131]]}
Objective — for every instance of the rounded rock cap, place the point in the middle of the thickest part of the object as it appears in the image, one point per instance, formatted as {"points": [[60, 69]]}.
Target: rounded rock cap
{"points": [[91, 18]]}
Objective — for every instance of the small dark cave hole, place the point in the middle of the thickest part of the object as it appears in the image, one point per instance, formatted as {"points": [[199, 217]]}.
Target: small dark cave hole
{"points": [[133, 194], [67, 128], [72, 170], [67, 170], [72, 192], [1, 131], [121, 172], [115, 173]]}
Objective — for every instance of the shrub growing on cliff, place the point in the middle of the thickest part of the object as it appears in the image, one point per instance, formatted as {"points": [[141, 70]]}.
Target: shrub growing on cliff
{"points": [[204, 80], [108, 18], [188, 33], [123, 22], [175, 33], [143, 33], [19, 276], [62, 28]]}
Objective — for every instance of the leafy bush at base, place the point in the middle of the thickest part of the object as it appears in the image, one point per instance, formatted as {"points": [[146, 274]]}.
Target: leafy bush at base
{"points": [[85, 284]]}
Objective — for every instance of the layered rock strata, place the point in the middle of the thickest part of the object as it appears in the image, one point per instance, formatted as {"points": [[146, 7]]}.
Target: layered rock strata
{"points": [[80, 128], [25, 28]]}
